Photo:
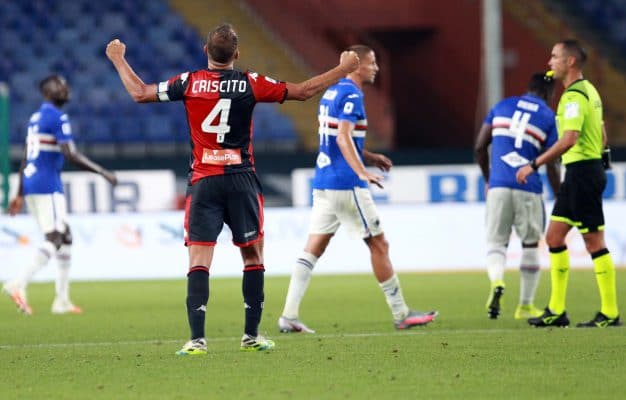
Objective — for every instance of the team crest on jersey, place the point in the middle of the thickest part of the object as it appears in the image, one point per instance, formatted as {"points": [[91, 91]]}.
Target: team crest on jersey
{"points": [[253, 75]]}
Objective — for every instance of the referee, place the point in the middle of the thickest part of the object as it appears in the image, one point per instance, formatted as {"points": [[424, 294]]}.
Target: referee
{"points": [[582, 139]]}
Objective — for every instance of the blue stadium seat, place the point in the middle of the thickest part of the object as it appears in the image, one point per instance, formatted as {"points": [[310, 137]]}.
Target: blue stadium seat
{"points": [[159, 128], [96, 129], [129, 128], [608, 17]]}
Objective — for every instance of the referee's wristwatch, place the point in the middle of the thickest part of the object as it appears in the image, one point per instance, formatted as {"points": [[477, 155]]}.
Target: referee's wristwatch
{"points": [[533, 165]]}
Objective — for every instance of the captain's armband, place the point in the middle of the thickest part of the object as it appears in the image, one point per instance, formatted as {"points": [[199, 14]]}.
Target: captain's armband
{"points": [[162, 90]]}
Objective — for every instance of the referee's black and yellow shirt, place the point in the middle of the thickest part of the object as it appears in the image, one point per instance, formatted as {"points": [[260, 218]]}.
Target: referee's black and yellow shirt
{"points": [[580, 109]]}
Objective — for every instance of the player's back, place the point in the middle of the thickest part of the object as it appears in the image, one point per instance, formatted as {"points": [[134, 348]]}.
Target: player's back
{"points": [[48, 127], [522, 128], [219, 106], [341, 102]]}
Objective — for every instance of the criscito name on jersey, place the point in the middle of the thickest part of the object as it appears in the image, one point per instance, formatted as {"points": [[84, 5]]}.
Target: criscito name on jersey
{"points": [[225, 86]]}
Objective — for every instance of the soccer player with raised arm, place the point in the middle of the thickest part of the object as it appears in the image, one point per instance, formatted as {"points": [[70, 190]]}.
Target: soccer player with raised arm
{"points": [[518, 128], [48, 143], [582, 139], [223, 186], [341, 197]]}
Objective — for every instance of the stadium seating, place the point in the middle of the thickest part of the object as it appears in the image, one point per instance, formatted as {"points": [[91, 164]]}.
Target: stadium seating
{"points": [[70, 38], [606, 16]]}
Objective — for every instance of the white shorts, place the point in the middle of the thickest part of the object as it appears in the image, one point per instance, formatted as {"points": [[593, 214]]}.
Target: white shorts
{"points": [[49, 210], [353, 208], [508, 208]]}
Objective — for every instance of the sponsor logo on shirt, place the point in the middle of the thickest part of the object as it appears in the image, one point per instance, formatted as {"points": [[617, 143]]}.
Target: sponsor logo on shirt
{"points": [[221, 157], [30, 170], [514, 159], [323, 160], [330, 95]]}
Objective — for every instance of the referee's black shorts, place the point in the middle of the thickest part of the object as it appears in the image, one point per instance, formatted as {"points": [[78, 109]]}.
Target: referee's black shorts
{"points": [[235, 199], [579, 201]]}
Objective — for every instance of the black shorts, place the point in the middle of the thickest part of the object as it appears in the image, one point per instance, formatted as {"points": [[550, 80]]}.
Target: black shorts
{"points": [[234, 199], [579, 201]]}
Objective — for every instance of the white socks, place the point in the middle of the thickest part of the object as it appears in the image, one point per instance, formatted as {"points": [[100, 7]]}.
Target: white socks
{"points": [[529, 275], [62, 284], [300, 278], [395, 300], [496, 261], [44, 252]]}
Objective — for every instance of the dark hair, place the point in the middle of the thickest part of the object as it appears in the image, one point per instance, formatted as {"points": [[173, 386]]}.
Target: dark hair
{"points": [[45, 85], [222, 43], [576, 50], [361, 50], [542, 85]]}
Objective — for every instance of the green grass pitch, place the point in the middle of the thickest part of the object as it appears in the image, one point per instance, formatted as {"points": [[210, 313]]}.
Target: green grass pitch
{"points": [[123, 346]]}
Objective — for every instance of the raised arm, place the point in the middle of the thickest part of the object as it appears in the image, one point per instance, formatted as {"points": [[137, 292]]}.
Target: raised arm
{"points": [[138, 90], [76, 157], [349, 61]]}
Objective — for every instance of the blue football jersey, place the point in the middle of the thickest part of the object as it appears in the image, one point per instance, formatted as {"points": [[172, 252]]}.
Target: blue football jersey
{"points": [[522, 128], [47, 129], [341, 102]]}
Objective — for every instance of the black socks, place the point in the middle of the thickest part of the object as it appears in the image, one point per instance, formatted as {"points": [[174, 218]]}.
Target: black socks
{"points": [[197, 298], [253, 297]]}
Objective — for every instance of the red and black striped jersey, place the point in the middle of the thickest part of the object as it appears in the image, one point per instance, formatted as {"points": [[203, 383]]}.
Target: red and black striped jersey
{"points": [[219, 106]]}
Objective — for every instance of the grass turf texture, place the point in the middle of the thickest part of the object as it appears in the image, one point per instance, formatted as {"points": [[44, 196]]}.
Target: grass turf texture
{"points": [[123, 346]]}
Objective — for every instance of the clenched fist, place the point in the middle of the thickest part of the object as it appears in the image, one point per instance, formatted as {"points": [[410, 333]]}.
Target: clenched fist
{"points": [[115, 49], [349, 61]]}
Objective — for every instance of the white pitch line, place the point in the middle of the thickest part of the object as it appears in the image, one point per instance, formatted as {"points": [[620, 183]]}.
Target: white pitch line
{"points": [[281, 337]]}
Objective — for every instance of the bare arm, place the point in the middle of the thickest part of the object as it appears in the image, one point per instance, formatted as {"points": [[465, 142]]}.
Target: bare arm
{"points": [[16, 203], [349, 61], [349, 152], [76, 157], [568, 139], [481, 153], [139, 91]]}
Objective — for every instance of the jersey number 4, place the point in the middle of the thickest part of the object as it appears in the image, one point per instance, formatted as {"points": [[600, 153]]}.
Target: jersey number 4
{"points": [[221, 109], [518, 127]]}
